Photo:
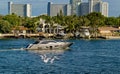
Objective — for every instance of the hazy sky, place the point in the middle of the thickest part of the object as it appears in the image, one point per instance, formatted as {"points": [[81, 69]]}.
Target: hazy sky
{"points": [[40, 6]]}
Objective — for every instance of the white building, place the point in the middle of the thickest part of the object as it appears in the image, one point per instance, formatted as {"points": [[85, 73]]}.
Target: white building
{"points": [[104, 9], [54, 9], [23, 10], [98, 6], [79, 8]]}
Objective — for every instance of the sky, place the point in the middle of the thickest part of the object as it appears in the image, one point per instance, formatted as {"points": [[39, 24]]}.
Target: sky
{"points": [[40, 6]]}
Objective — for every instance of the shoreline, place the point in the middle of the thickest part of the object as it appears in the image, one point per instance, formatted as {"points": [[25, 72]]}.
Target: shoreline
{"points": [[52, 36]]}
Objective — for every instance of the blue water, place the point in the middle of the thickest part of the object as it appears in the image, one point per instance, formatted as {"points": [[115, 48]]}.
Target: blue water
{"points": [[84, 57]]}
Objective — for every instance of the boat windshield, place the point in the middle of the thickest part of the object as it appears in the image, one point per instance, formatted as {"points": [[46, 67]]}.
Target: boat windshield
{"points": [[36, 42], [45, 42]]}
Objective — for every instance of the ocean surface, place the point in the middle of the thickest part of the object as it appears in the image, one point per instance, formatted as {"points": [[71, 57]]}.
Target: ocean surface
{"points": [[84, 57]]}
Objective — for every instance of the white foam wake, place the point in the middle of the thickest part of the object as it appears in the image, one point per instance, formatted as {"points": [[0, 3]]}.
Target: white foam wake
{"points": [[5, 50]]}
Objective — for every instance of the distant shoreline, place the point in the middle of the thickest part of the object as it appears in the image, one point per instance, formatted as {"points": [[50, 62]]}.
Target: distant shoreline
{"points": [[2, 36]]}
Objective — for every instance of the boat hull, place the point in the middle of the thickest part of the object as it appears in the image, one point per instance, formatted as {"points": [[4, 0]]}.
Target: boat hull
{"points": [[54, 46]]}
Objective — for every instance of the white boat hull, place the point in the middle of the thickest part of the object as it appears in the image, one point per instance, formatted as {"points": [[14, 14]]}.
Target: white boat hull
{"points": [[51, 46]]}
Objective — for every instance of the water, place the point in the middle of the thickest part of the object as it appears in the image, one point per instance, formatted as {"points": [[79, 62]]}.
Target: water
{"points": [[84, 57]]}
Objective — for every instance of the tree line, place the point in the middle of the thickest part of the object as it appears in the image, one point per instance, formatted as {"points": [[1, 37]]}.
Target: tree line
{"points": [[71, 23]]}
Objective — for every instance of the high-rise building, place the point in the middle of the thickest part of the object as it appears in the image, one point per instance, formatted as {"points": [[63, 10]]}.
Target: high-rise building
{"points": [[23, 10], [94, 6], [54, 9], [83, 9], [75, 6], [104, 8], [79, 8], [98, 6]]}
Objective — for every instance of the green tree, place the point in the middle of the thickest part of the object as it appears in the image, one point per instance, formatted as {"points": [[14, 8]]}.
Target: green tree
{"points": [[5, 26], [13, 19], [31, 24], [118, 20], [83, 21], [70, 23], [111, 21], [95, 21], [1, 17]]}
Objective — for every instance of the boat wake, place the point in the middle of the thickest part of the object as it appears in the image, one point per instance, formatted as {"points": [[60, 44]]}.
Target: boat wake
{"points": [[5, 50], [49, 56], [47, 59]]}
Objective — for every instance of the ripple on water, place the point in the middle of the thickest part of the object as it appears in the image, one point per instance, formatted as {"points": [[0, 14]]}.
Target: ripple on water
{"points": [[85, 57]]}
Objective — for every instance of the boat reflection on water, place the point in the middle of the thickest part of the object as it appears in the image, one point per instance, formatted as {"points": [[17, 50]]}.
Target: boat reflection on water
{"points": [[49, 56]]}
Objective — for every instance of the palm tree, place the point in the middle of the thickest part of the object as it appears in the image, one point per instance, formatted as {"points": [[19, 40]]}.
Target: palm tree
{"points": [[95, 19]]}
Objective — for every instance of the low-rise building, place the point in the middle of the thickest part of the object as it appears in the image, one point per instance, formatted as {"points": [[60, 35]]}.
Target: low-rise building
{"points": [[85, 32], [108, 31], [19, 31], [47, 28]]}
